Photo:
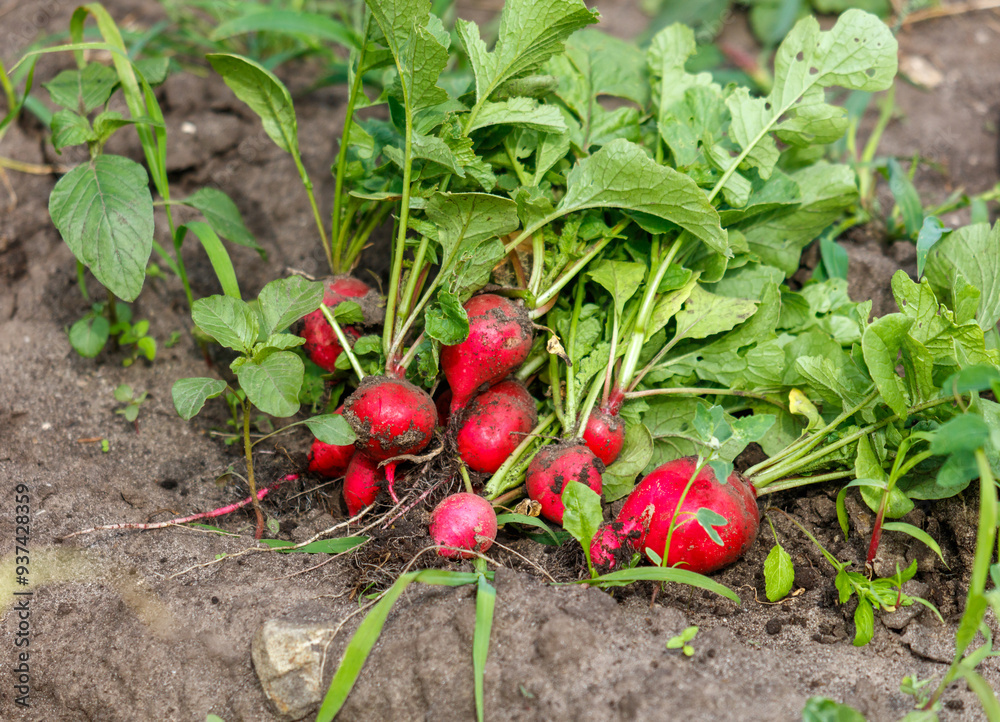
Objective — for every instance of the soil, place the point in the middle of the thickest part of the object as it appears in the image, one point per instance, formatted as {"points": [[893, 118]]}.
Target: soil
{"points": [[128, 624]]}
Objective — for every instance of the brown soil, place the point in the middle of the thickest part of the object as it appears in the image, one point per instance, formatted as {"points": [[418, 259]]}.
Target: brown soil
{"points": [[142, 625]]}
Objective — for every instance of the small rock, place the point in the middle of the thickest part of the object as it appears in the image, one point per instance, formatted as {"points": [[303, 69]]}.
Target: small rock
{"points": [[288, 659], [773, 626]]}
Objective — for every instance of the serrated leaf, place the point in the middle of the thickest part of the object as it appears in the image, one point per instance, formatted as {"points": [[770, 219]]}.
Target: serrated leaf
{"points": [[621, 175], [106, 123], [779, 574], [619, 278], [88, 335], [228, 320], [445, 319], [90, 87], [522, 113], [972, 252], [223, 216], [104, 212], [285, 300], [332, 429], [705, 314], [531, 31], [266, 95], [190, 395], [272, 384]]}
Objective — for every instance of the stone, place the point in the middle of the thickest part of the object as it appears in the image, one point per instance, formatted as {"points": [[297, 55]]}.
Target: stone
{"points": [[288, 659]]}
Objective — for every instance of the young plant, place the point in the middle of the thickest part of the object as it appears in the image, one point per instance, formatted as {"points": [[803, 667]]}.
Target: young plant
{"points": [[125, 395], [683, 641]]}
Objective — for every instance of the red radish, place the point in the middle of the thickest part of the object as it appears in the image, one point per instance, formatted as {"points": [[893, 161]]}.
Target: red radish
{"points": [[443, 405], [390, 417], [465, 521], [613, 544], [554, 467], [361, 483], [499, 340], [321, 344], [330, 459], [653, 504], [496, 423], [604, 435]]}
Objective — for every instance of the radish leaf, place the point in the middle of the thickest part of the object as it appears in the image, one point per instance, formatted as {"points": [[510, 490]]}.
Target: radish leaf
{"points": [[331, 429], [779, 574]]}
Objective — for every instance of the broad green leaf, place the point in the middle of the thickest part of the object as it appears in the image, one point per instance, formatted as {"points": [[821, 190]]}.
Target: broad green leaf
{"points": [[668, 54], [446, 320], [223, 215], [531, 31], [972, 252], [867, 465], [620, 278], [190, 395], [104, 212], [228, 320], [583, 515], [123, 394], [285, 300], [858, 53], [668, 304], [907, 198], [288, 22], [636, 452], [835, 260], [332, 429], [106, 123], [70, 128], [88, 335], [621, 175], [154, 70], [705, 314], [964, 433], [280, 342], [779, 574], [819, 709], [864, 623], [930, 233], [880, 345], [522, 113], [272, 384], [267, 96], [82, 90], [217, 255]]}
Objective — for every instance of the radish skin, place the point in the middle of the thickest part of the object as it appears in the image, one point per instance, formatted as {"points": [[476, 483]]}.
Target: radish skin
{"points": [[604, 434], [330, 459], [322, 345], [466, 521], [496, 422], [554, 467], [362, 482]]}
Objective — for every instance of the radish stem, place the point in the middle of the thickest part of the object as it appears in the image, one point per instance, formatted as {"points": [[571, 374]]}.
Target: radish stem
{"points": [[345, 345]]}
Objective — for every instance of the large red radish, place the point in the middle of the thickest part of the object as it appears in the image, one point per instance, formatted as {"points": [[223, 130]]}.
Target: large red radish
{"points": [[391, 417], [496, 422], [322, 345], [653, 504], [465, 521], [554, 467], [499, 341]]}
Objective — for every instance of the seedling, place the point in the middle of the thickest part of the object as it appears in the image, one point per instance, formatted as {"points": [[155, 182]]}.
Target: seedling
{"points": [[682, 641], [125, 395], [108, 320]]}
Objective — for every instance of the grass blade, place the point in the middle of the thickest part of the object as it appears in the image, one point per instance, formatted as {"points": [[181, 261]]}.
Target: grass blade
{"points": [[663, 574], [486, 597], [917, 533]]}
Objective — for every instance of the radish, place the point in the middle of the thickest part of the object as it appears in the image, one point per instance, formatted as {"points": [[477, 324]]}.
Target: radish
{"points": [[554, 467], [612, 545], [654, 503], [361, 483], [321, 344], [465, 521], [330, 459], [391, 417], [496, 423], [499, 340], [604, 435]]}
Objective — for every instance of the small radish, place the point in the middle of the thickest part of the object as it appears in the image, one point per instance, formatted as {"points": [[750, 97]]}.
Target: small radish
{"points": [[653, 504], [604, 435], [391, 417], [322, 345], [465, 521], [614, 543], [330, 459], [554, 467], [361, 483], [499, 340], [496, 423]]}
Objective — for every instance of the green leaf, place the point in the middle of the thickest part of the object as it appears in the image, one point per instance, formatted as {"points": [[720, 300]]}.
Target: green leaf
{"points": [[531, 31], [972, 252], [104, 212], [285, 300], [123, 394], [89, 88], [522, 113], [222, 264], [88, 335], [984, 691], [223, 215], [917, 533], [859, 53], [620, 278], [779, 574], [486, 597], [332, 429], [907, 198], [819, 709], [931, 232], [663, 574], [964, 433], [835, 260], [228, 320], [312, 26], [154, 70], [323, 546], [705, 314], [864, 623], [583, 515], [621, 175], [280, 342], [880, 345], [190, 395], [637, 450], [446, 320], [70, 128], [708, 520], [530, 521], [272, 384], [267, 96], [106, 123]]}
